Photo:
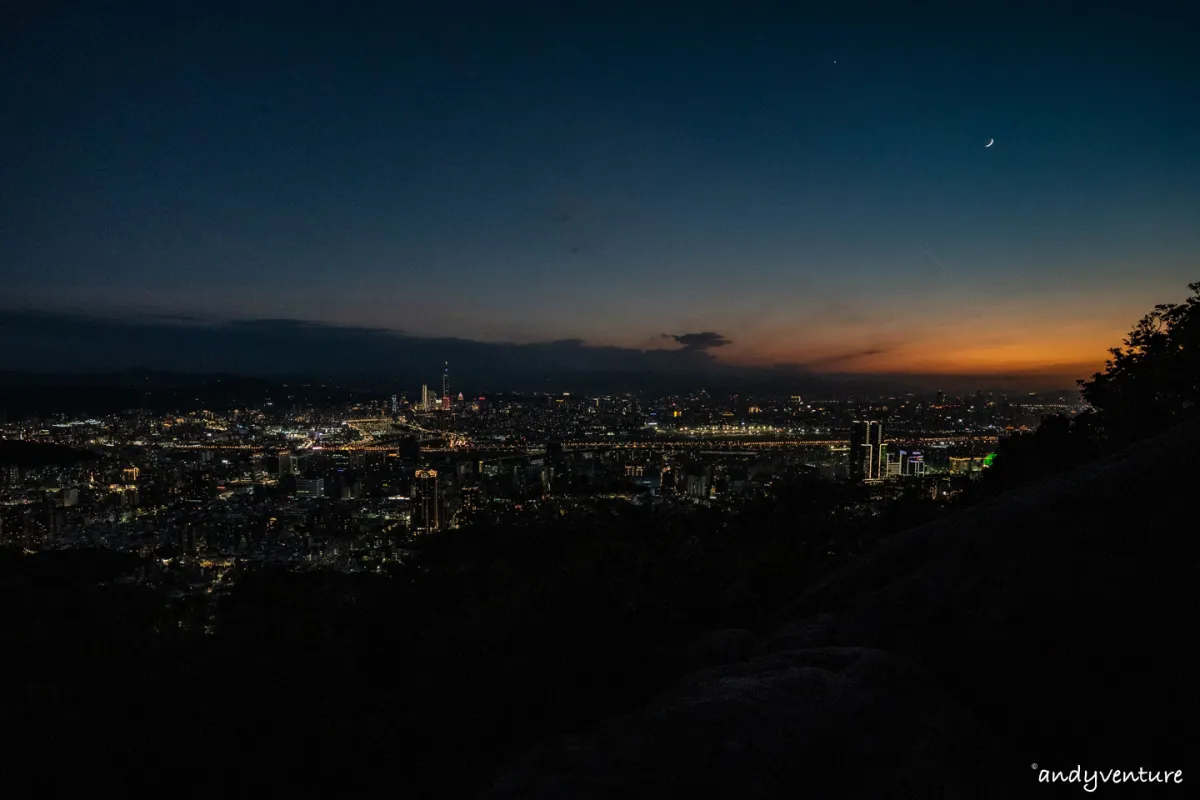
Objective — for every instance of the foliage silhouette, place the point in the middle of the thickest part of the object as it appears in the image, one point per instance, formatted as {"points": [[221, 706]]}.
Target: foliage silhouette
{"points": [[1153, 382], [1148, 386], [1060, 443]]}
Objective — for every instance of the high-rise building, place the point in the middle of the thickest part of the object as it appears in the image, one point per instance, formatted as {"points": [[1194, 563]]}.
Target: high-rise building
{"points": [[446, 387], [895, 464], [289, 464], [469, 497], [965, 465], [904, 463], [395, 405], [425, 501], [867, 453], [424, 397], [310, 487]]}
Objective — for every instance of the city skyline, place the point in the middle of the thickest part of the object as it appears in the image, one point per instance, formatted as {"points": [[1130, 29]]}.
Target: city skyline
{"points": [[726, 195]]}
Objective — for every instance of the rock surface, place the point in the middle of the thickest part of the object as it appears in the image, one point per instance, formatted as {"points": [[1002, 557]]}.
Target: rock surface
{"points": [[1049, 625], [873, 723], [721, 647]]}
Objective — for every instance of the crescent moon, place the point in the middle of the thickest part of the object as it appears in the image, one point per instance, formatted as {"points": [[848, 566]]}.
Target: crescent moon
{"points": [[989, 144]]}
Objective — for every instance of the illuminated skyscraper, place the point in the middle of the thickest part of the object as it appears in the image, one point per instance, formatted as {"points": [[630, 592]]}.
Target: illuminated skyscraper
{"points": [[867, 453], [446, 387], [395, 405], [424, 397], [469, 499], [425, 501]]}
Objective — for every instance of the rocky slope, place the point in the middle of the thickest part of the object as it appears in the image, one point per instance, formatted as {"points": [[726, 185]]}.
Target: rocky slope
{"points": [[1051, 625]]}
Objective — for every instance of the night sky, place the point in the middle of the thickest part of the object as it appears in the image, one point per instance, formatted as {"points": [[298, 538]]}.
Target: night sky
{"points": [[745, 188]]}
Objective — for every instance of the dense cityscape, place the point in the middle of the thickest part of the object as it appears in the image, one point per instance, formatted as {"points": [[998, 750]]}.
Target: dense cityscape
{"points": [[207, 494]]}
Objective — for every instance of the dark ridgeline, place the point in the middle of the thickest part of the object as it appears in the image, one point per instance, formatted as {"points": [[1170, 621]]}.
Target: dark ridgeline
{"points": [[25, 394], [17, 453]]}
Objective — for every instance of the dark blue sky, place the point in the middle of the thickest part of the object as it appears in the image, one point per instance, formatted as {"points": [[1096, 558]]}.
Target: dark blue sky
{"points": [[814, 188]]}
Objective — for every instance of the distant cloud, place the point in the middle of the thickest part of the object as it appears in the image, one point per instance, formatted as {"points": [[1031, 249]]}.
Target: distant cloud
{"points": [[174, 318], [698, 341], [841, 358]]}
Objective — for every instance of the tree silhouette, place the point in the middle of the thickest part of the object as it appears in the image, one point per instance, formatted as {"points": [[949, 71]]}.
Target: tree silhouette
{"points": [[1154, 381], [1059, 443], [1149, 385]]}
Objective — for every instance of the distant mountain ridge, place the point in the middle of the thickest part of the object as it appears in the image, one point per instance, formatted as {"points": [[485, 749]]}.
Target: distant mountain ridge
{"points": [[17, 453]]}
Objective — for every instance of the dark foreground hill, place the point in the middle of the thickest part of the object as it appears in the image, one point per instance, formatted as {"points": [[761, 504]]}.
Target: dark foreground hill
{"points": [[1052, 625]]}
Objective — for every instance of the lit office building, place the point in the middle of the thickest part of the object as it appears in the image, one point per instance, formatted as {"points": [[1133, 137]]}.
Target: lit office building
{"points": [[965, 465], [310, 487], [905, 463], [425, 501], [289, 464], [895, 464], [867, 452]]}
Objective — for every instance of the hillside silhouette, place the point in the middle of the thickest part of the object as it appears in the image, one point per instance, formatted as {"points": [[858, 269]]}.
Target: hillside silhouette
{"points": [[1045, 626]]}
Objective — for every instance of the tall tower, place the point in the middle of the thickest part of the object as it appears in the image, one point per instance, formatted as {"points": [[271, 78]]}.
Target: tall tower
{"points": [[424, 397], [289, 464], [446, 387], [867, 453], [425, 501]]}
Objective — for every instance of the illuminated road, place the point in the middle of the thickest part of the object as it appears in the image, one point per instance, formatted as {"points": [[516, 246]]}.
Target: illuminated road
{"points": [[710, 444], [466, 447]]}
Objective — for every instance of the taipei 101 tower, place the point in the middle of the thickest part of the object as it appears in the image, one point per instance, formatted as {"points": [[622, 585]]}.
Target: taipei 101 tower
{"points": [[446, 388]]}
